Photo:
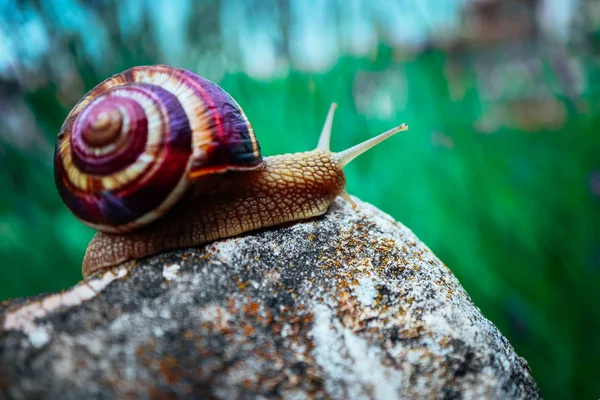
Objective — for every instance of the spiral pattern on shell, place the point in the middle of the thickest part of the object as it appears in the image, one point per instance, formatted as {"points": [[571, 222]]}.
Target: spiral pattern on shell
{"points": [[130, 148]]}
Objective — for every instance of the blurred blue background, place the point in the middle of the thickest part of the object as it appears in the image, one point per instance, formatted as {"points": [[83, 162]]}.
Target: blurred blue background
{"points": [[499, 174]]}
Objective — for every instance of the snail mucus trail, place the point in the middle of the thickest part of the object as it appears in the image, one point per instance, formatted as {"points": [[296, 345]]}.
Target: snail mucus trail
{"points": [[157, 158]]}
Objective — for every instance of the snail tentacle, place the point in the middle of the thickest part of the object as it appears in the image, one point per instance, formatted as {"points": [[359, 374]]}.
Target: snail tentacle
{"points": [[325, 138]]}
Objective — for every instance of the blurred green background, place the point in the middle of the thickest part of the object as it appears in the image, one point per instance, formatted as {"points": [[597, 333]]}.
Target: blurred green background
{"points": [[499, 174]]}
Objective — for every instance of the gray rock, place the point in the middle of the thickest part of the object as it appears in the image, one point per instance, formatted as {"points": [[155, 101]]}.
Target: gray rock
{"points": [[350, 305]]}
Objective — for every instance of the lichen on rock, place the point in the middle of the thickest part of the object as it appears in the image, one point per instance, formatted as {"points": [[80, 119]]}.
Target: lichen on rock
{"points": [[348, 305]]}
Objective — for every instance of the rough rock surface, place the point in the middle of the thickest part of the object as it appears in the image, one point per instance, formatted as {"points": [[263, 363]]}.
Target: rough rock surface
{"points": [[350, 305]]}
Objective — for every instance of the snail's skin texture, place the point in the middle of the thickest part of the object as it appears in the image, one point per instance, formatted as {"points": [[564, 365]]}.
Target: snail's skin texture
{"points": [[287, 188]]}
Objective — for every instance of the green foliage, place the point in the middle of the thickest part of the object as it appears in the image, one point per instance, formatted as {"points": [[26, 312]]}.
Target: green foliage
{"points": [[510, 211]]}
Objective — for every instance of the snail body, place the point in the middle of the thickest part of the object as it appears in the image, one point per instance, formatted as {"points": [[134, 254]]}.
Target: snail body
{"points": [[158, 158]]}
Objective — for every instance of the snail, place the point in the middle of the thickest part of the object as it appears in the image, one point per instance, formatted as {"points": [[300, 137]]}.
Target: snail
{"points": [[157, 158]]}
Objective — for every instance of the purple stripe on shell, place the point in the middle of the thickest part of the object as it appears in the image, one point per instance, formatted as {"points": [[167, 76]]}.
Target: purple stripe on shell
{"points": [[233, 137]]}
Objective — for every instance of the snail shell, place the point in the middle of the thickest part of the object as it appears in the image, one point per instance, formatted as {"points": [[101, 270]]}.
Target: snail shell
{"points": [[134, 145]]}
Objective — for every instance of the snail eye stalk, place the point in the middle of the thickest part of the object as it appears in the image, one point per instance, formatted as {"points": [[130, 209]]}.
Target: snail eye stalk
{"points": [[325, 137], [344, 157]]}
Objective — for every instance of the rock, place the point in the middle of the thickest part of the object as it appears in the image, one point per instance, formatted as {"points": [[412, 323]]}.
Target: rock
{"points": [[349, 305]]}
